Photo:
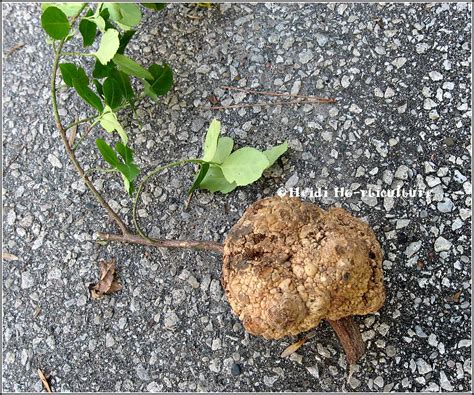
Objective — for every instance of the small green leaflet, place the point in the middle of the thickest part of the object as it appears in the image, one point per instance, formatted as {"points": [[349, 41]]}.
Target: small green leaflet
{"points": [[224, 148], [112, 92], [154, 6], [214, 181], [148, 91], [202, 173], [126, 15], [210, 143], [125, 152], [87, 94], [124, 40], [109, 44], [131, 67], [244, 166], [274, 153], [107, 153], [70, 71], [102, 71], [55, 23], [108, 120], [88, 30], [69, 9], [163, 79], [125, 84], [128, 170]]}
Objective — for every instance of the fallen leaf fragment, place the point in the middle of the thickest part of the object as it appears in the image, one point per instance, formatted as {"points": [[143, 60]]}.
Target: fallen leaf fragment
{"points": [[108, 283], [44, 380], [73, 134], [454, 298], [292, 348], [6, 256]]}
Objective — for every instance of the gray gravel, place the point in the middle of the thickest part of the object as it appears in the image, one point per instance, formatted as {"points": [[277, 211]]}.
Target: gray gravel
{"points": [[401, 75]]}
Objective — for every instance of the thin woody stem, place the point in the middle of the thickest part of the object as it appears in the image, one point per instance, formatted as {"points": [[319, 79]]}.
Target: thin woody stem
{"points": [[142, 184], [62, 132], [135, 239], [275, 103], [279, 94], [350, 337]]}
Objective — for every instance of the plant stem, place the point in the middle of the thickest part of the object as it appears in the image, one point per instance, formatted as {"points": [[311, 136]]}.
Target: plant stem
{"points": [[142, 184], [62, 132], [275, 103], [79, 122], [349, 335], [279, 94], [77, 54], [135, 239]]}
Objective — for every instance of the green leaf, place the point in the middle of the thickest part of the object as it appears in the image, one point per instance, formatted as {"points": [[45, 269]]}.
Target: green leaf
{"points": [[154, 6], [69, 9], [124, 40], [112, 93], [162, 79], [99, 21], [109, 121], [102, 71], [107, 153], [125, 84], [87, 94], [128, 185], [108, 46], [199, 177], [223, 150], [126, 15], [98, 87], [70, 71], [274, 153], [148, 91], [125, 152], [131, 67], [210, 144], [244, 166], [215, 181], [55, 23], [88, 30], [129, 170]]}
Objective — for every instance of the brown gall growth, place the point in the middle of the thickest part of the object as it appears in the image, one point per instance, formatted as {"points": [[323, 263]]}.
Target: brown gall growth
{"points": [[288, 265]]}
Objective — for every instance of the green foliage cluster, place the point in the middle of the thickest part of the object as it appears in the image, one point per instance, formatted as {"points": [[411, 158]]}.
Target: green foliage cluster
{"points": [[222, 170], [109, 89]]}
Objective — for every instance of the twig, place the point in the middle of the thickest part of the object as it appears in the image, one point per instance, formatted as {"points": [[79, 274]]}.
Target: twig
{"points": [[192, 244], [275, 103], [349, 335], [83, 137], [268, 93], [44, 380], [62, 132], [75, 123], [16, 47], [142, 184]]}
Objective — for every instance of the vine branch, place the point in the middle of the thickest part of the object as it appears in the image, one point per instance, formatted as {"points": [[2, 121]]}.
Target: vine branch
{"points": [[62, 132]]}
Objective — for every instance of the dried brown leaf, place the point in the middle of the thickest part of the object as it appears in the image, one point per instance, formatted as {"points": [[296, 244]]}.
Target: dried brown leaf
{"points": [[44, 380], [107, 283], [292, 348], [72, 136], [454, 298], [6, 256]]}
